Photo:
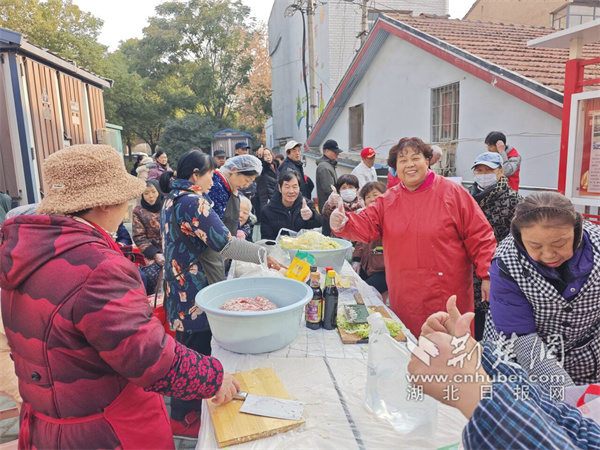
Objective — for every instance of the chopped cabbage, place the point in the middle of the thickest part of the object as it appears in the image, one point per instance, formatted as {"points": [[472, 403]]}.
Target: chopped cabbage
{"points": [[362, 329], [311, 240]]}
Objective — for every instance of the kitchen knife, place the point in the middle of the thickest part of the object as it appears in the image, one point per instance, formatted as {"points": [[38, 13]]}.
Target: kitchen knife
{"points": [[278, 408]]}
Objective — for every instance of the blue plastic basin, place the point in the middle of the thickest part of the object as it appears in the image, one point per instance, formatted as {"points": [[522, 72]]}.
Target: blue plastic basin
{"points": [[255, 332]]}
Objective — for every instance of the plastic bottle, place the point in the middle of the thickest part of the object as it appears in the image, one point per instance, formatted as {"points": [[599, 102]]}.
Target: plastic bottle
{"points": [[330, 307], [388, 390], [314, 307]]}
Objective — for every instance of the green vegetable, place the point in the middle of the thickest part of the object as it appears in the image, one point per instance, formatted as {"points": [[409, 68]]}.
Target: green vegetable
{"points": [[362, 329]]}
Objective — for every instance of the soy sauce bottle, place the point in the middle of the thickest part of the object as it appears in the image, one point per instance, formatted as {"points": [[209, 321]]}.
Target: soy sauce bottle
{"points": [[314, 307], [313, 269], [330, 295]]}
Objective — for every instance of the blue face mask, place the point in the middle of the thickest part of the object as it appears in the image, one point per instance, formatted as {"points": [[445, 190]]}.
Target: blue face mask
{"points": [[485, 180]]}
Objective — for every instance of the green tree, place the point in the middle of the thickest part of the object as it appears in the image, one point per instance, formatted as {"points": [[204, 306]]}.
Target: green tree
{"points": [[206, 45], [142, 105], [59, 26], [254, 99], [190, 131]]}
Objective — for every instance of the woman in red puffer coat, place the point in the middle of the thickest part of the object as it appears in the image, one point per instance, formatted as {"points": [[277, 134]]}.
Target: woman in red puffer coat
{"points": [[90, 359]]}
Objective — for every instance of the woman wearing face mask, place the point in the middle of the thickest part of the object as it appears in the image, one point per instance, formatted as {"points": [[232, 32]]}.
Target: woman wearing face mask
{"points": [[545, 289], [346, 188], [146, 232], [288, 208], [190, 227], [497, 200], [432, 231]]}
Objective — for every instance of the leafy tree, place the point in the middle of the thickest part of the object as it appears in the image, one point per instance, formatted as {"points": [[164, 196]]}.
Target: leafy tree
{"points": [[59, 26], [254, 99], [190, 131], [203, 43], [131, 105], [142, 105]]}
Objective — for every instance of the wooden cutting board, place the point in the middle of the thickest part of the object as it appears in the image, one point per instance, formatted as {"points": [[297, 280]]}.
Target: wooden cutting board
{"points": [[233, 427], [349, 338]]}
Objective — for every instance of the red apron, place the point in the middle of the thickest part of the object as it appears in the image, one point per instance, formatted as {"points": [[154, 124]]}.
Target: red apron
{"points": [[138, 418]]}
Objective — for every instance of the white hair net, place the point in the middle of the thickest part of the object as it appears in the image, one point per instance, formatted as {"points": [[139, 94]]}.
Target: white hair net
{"points": [[242, 163]]}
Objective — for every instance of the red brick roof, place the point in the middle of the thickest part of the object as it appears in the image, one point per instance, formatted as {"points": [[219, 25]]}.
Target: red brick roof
{"points": [[505, 45]]}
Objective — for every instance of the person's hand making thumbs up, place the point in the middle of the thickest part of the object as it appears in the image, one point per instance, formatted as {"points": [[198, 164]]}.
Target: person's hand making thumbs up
{"points": [[338, 218], [306, 213]]}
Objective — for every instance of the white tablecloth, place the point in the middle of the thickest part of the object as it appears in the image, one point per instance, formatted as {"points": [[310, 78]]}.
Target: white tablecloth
{"points": [[330, 378]]}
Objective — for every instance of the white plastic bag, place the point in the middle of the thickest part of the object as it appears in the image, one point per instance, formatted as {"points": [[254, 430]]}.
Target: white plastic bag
{"points": [[585, 398], [388, 393], [240, 269]]}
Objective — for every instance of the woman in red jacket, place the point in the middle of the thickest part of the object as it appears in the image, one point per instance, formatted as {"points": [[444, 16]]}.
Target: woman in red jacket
{"points": [[432, 230], [91, 361]]}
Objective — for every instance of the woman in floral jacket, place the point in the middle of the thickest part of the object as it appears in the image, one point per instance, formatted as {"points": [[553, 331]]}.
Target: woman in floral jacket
{"points": [[189, 227]]}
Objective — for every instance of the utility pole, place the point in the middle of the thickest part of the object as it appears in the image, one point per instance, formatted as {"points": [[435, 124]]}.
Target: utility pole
{"points": [[310, 13], [365, 15]]}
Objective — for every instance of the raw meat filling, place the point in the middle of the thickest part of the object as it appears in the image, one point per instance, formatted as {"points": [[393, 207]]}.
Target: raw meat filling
{"points": [[249, 304]]}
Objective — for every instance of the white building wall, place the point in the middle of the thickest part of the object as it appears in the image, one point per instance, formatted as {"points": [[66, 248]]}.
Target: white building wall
{"points": [[337, 23], [396, 93]]}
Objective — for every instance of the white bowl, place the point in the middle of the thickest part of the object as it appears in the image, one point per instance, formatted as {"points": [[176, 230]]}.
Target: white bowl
{"points": [[327, 258], [255, 331]]}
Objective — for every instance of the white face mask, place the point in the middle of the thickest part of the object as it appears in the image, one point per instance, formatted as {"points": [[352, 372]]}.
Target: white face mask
{"points": [[485, 180], [348, 195]]}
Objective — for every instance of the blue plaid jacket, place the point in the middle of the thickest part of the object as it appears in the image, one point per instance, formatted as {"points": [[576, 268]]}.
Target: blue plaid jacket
{"points": [[503, 422]]}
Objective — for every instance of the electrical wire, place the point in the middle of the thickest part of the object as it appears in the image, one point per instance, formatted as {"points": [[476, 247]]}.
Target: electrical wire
{"points": [[287, 63]]}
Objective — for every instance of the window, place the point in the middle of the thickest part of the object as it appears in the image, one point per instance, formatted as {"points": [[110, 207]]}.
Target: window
{"points": [[444, 113], [574, 14], [357, 121]]}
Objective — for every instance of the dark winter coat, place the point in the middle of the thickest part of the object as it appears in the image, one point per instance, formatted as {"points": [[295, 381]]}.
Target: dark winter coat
{"points": [[498, 203], [306, 184], [81, 333], [326, 177], [276, 216], [266, 186], [123, 237]]}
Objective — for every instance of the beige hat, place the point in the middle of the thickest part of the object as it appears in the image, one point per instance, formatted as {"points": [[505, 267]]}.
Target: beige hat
{"points": [[291, 144], [85, 176]]}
